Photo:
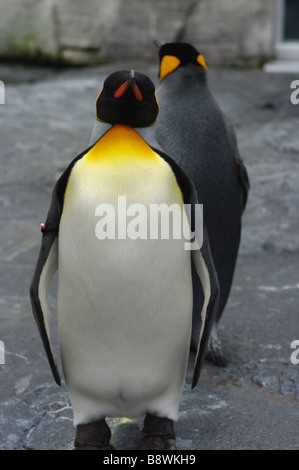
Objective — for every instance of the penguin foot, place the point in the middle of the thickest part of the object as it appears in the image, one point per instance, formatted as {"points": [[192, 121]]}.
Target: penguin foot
{"points": [[215, 353], [93, 436], [158, 434]]}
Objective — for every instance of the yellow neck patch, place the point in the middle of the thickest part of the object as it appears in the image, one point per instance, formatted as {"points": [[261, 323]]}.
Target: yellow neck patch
{"points": [[121, 163], [118, 145], [168, 64]]}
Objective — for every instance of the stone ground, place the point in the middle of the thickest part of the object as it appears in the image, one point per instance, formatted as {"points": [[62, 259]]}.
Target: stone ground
{"points": [[253, 402]]}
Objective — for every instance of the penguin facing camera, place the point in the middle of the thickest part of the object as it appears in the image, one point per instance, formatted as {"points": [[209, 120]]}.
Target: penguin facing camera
{"points": [[124, 305], [192, 129]]}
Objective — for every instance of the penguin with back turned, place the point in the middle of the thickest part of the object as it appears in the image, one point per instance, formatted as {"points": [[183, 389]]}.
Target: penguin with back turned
{"points": [[192, 129], [124, 303]]}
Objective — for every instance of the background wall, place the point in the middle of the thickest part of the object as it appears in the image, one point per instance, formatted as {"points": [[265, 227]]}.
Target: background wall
{"points": [[226, 31]]}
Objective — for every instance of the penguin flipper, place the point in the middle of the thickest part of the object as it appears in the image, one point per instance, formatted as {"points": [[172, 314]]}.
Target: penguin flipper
{"points": [[47, 265], [243, 180], [242, 175], [45, 270], [203, 263]]}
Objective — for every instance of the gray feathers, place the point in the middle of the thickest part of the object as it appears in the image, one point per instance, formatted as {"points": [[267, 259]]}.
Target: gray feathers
{"points": [[192, 129]]}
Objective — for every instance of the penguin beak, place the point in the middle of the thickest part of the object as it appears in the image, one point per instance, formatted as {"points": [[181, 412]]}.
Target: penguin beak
{"points": [[121, 90]]}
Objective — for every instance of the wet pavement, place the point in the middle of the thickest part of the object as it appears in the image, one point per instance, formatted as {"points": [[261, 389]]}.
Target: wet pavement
{"points": [[253, 403]]}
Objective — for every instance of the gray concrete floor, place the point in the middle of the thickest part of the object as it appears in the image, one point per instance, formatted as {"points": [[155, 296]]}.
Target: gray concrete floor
{"points": [[250, 404]]}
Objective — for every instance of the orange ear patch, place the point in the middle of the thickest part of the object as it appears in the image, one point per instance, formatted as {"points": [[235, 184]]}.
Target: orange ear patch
{"points": [[200, 59], [137, 92], [121, 90], [168, 64]]}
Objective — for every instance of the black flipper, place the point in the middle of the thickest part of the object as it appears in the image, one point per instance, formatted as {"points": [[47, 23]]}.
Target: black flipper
{"points": [[204, 265], [243, 180], [45, 270], [47, 265], [242, 174]]}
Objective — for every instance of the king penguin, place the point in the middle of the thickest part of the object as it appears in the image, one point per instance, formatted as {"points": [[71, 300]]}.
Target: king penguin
{"points": [[124, 302], [192, 128]]}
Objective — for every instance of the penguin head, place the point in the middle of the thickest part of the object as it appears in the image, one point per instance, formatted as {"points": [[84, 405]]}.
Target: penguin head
{"points": [[177, 54], [129, 98]]}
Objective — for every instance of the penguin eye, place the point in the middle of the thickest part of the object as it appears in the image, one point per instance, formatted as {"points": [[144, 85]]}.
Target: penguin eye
{"points": [[168, 64]]}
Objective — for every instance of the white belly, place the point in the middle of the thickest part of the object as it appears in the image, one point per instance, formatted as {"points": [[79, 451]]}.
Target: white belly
{"points": [[124, 311]]}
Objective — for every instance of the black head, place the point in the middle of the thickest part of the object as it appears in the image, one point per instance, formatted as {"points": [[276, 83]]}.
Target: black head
{"points": [[177, 54], [129, 98]]}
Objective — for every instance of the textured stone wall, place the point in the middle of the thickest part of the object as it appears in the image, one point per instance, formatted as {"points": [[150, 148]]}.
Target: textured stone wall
{"points": [[76, 31], [233, 31]]}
